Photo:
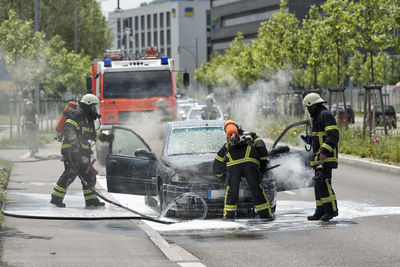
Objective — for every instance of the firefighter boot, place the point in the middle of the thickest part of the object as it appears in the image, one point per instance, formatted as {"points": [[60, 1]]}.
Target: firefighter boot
{"points": [[266, 215], [328, 216], [319, 212], [94, 203], [57, 201], [229, 215]]}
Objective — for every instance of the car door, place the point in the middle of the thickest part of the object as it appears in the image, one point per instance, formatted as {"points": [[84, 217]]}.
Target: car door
{"points": [[130, 165]]}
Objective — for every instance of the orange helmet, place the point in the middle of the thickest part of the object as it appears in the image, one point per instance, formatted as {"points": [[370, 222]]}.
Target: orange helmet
{"points": [[231, 129]]}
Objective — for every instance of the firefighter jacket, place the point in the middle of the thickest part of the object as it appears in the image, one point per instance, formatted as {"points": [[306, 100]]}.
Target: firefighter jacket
{"points": [[325, 137], [251, 149], [209, 113], [77, 131]]}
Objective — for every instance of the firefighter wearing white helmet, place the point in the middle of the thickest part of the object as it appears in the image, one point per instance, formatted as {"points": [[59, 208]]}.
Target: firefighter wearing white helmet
{"points": [[162, 108], [76, 150], [324, 141], [209, 112]]}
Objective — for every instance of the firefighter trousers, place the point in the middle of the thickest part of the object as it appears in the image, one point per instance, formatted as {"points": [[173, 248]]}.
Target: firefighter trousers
{"points": [[325, 197], [67, 177], [253, 178]]}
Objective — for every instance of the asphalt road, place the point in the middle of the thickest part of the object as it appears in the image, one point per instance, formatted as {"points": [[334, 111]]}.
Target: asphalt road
{"points": [[366, 232]]}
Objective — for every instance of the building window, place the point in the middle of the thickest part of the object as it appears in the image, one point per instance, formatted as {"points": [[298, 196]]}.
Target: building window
{"points": [[154, 21], [155, 39], [136, 23], [149, 39], [161, 38], [168, 37], [143, 40], [126, 23], [161, 20], [130, 26], [142, 22], [169, 52], [148, 22], [162, 51], [265, 15], [168, 19], [136, 40], [119, 43], [118, 25]]}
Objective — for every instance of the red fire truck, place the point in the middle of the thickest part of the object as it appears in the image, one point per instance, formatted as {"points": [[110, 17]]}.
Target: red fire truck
{"points": [[126, 87]]}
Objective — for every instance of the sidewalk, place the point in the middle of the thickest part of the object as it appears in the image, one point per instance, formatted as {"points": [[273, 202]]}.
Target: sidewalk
{"points": [[38, 242]]}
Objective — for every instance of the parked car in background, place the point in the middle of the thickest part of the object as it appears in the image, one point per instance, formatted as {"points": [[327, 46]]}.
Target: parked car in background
{"points": [[342, 118], [349, 110], [390, 114], [195, 113], [183, 110]]}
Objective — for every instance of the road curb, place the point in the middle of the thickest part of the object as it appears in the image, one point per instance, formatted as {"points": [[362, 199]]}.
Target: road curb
{"points": [[364, 163]]}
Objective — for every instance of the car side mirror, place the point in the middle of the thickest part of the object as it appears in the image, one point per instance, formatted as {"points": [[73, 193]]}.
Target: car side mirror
{"points": [[143, 153]]}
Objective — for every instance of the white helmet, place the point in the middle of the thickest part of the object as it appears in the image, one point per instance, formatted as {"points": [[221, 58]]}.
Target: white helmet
{"points": [[312, 99], [90, 99], [209, 97]]}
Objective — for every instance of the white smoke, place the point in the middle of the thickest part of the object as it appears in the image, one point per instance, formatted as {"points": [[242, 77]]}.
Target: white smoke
{"points": [[150, 127], [292, 173]]}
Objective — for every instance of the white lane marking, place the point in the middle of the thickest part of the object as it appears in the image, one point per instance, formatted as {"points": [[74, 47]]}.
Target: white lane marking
{"points": [[289, 192], [191, 264], [173, 252]]}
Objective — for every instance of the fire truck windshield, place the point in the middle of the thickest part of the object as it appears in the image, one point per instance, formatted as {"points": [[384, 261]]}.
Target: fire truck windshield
{"points": [[137, 84]]}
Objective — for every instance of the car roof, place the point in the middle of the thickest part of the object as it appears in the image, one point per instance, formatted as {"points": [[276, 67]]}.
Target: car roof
{"points": [[196, 124]]}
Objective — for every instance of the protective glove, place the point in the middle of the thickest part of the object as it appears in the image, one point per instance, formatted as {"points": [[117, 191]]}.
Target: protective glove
{"points": [[106, 137], [319, 173], [306, 139]]}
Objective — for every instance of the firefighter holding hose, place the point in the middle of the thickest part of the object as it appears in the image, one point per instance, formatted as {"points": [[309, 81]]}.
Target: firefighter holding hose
{"points": [[243, 155], [324, 142], [77, 130]]}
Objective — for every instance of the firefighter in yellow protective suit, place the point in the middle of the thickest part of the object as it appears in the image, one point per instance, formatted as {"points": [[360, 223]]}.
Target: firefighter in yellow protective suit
{"points": [[324, 141], [77, 131], [209, 112], [162, 108], [243, 155]]}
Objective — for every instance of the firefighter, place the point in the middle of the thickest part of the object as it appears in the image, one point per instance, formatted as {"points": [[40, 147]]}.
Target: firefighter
{"points": [[30, 123], [77, 131], [243, 155], [324, 141], [209, 112], [166, 115]]}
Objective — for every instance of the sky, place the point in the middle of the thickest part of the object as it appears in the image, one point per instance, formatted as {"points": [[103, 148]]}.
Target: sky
{"points": [[111, 5]]}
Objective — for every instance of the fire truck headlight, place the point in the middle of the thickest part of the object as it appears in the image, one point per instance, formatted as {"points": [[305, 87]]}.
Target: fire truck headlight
{"points": [[107, 62], [164, 60]]}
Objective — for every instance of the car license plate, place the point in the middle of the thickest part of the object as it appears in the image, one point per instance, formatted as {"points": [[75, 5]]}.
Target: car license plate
{"points": [[220, 193]]}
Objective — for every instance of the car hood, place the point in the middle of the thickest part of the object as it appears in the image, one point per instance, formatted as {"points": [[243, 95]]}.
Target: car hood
{"points": [[194, 164]]}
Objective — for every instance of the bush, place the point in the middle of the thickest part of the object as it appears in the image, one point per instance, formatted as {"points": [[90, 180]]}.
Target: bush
{"points": [[5, 168]]}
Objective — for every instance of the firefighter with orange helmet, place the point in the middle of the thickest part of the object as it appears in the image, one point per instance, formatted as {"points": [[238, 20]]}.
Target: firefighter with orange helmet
{"points": [[243, 155], [76, 132]]}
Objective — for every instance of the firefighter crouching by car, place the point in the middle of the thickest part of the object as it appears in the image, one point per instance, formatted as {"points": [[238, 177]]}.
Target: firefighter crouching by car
{"points": [[243, 155], [324, 141], [162, 108], [77, 131]]}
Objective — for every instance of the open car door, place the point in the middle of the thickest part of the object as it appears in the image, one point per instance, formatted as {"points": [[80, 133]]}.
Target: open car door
{"points": [[294, 171], [130, 165]]}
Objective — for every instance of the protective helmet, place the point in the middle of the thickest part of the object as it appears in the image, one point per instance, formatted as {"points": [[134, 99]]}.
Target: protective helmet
{"points": [[210, 98], [90, 99], [28, 103], [231, 130], [161, 103], [312, 99]]}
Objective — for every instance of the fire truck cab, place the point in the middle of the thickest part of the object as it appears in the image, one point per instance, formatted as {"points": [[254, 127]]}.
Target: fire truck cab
{"points": [[126, 87]]}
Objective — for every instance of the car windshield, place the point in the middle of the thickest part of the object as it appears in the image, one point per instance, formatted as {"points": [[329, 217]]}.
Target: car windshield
{"points": [[388, 109], [195, 114], [137, 84], [196, 140]]}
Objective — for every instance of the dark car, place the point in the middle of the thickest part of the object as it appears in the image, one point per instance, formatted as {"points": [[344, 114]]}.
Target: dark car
{"points": [[390, 113], [342, 117], [185, 166], [349, 112]]}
